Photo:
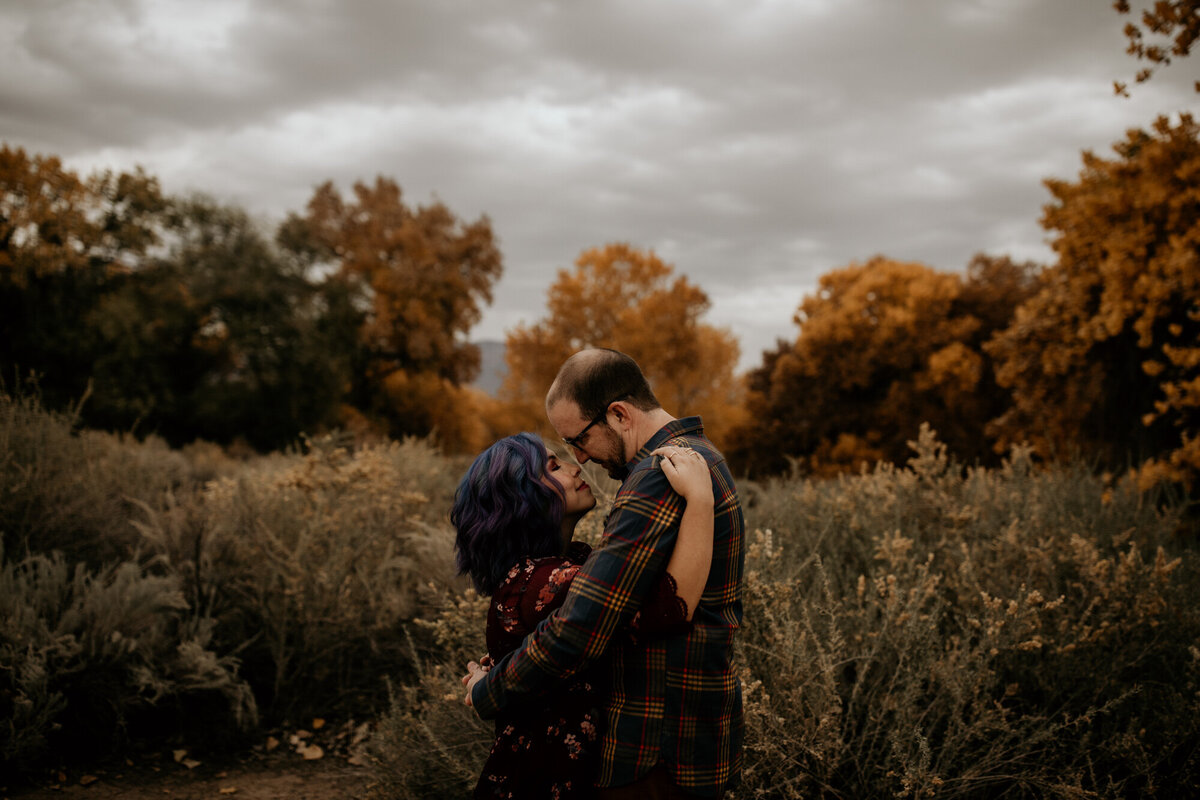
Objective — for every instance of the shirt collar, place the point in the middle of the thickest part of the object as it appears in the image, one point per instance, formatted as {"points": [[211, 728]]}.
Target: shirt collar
{"points": [[676, 427]]}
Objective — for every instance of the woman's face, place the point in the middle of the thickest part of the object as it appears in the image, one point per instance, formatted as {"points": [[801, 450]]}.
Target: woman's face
{"points": [[577, 495]]}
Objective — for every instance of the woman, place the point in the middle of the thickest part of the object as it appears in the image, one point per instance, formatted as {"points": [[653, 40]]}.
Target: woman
{"points": [[515, 512]]}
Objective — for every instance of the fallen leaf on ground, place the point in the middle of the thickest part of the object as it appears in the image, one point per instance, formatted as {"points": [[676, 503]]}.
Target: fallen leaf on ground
{"points": [[190, 763], [318, 723], [86, 779], [311, 752], [360, 733], [228, 790], [179, 754], [356, 760], [272, 743]]}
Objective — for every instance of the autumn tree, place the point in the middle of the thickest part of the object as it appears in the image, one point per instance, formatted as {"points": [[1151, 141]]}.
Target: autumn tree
{"points": [[1174, 23], [218, 337], [628, 299], [1105, 358], [883, 347], [64, 241], [411, 282]]}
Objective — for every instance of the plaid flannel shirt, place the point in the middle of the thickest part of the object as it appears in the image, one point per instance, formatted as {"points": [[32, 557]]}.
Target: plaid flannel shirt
{"points": [[675, 699]]}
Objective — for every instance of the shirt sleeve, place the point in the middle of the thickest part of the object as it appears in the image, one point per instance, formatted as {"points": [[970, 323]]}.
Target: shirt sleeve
{"points": [[604, 596]]}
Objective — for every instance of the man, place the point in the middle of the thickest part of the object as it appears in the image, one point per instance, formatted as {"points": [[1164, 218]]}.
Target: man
{"points": [[674, 708]]}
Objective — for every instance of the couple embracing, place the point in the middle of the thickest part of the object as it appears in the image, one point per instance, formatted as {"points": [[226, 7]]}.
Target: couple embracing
{"points": [[608, 671]]}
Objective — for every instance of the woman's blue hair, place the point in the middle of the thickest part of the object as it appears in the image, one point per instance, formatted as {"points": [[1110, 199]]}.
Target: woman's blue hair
{"points": [[503, 512]]}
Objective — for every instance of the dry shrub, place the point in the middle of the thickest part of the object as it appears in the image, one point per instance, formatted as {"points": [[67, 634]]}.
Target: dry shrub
{"points": [[71, 490], [311, 563], [83, 653], [303, 567], [929, 631], [429, 743]]}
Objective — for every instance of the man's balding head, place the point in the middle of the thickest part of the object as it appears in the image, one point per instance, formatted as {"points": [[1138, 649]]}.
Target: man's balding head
{"points": [[594, 379]]}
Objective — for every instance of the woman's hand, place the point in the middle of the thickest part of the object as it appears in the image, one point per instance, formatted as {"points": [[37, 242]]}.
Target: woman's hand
{"points": [[688, 473], [475, 672]]}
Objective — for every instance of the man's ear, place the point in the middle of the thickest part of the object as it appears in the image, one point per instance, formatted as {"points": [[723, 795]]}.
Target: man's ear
{"points": [[621, 411]]}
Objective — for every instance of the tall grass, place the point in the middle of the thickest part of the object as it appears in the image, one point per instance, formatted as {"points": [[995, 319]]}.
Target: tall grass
{"points": [[311, 564], [937, 632], [922, 630]]}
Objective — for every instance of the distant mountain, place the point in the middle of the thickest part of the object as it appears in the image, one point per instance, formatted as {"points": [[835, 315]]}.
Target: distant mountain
{"points": [[492, 368]]}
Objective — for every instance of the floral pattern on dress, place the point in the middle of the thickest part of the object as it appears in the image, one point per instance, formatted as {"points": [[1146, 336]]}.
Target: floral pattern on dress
{"points": [[550, 749], [558, 581]]}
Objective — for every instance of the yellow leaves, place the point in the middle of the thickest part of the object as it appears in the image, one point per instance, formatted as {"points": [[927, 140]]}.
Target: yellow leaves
{"points": [[310, 752], [51, 221], [629, 299], [956, 368], [1121, 297], [883, 346], [416, 278]]}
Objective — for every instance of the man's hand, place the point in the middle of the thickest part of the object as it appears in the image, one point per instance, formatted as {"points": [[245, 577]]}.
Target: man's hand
{"points": [[475, 673]]}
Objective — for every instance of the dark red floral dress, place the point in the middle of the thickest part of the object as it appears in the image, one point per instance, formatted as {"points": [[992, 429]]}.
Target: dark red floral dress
{"points": [[551, 751]]}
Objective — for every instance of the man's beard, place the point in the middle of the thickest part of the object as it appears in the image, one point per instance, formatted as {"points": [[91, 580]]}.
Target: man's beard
{"points": [[617, 473], [615, 465]]}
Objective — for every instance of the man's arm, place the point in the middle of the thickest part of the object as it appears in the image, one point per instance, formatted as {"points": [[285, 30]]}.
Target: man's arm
{"points": [[639, 537]]}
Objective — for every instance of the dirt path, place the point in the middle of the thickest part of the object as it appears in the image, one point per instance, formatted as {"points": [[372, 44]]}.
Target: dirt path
{"points": [[322, 764], [275, 778]]}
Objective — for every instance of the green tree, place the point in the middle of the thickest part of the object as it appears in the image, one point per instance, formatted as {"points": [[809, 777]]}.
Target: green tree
{"points": [[221, 338], [64, 242]]}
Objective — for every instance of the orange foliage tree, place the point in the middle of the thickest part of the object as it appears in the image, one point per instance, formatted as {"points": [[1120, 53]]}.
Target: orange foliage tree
{"points": [[1105, 358], [1177, 21], [627, 299], [64, 242], [412, 282], [883, 347]]}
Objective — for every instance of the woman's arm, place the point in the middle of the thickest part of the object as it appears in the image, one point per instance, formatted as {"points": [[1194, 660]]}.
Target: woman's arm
{"points": [[688, 473]]}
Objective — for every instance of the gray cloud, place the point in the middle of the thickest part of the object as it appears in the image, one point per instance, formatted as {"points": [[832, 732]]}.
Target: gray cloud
{"points": [[755, 144]]}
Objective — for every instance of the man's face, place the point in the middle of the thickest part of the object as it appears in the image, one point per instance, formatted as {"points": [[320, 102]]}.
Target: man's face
{"points": [[589, 440]]}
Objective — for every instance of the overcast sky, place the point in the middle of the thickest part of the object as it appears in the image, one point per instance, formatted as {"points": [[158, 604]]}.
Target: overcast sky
{"points": [[753, 144]]}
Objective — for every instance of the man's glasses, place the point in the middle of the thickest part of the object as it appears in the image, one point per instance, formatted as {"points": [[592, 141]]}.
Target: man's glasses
{"points": [[576, 441]]}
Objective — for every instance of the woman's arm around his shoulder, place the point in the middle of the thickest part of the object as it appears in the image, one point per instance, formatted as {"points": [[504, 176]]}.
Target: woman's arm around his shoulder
{"points": [[691, 559]]}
